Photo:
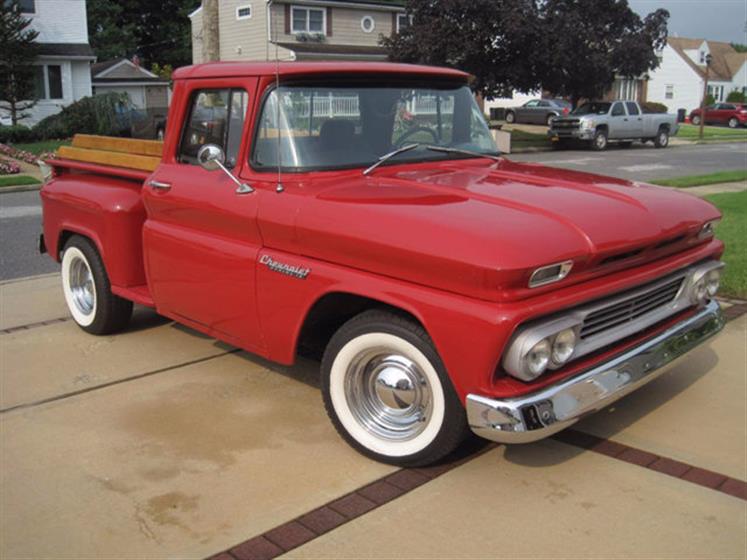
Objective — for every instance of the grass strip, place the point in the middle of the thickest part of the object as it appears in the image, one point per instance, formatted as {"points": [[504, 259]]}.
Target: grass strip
{"points": [[709, 179], [18, 180], [732, 230]]}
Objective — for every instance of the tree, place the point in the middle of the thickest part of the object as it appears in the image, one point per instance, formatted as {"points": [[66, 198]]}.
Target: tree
{"points": [[736, 96], [491, 39], [588, 42], [739, 47], [158, 32], [17, 54]]}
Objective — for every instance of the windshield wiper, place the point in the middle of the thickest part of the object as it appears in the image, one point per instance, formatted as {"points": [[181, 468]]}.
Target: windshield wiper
{"points": [[390, 155], [448, 150]]}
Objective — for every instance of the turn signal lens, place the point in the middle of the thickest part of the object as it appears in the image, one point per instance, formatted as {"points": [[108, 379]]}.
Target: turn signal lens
{"points": [[712, 282], [563, 346], [538, 357]]}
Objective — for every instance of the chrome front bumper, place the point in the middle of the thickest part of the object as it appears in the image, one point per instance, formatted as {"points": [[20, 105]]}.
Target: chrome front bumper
{"points": [[537, 415]]}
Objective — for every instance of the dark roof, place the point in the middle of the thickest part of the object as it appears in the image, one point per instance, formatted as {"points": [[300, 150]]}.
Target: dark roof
{"points": [[326, 48], [225, 69], [388, 3], [146, 80], [726, 61], [66, 49], [99, 67]]}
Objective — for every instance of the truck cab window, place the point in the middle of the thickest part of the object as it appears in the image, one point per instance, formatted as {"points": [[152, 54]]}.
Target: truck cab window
{"points": [[216, 116], [618, 110], [632, 108]]}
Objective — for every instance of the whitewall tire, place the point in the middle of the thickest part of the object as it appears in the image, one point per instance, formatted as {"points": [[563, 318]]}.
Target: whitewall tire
{"points": [[387, 391], [87, 289]]}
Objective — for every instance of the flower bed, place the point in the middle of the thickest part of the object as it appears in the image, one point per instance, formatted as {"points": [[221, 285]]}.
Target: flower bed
{"points": [[8, 167], [20, 155]]}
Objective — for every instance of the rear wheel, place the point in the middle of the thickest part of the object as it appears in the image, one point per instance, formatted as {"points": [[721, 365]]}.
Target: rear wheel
{"points": [[599, 142], [387, 392], [88, 292], [695, 120], [733, 122], [510, 117], [662, 138], [550, 118]]}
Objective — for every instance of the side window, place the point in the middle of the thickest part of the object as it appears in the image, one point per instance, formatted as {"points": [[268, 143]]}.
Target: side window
{"points": [[632, 108], [216, 116], [618, 110], [533, 103]]}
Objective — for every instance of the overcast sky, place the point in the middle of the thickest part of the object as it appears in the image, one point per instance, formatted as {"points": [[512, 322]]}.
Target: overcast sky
{"points": [[718, 20]]}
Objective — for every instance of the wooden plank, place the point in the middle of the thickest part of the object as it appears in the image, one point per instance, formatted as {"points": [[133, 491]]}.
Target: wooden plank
{"points": [[118, 159], [153, 148]]}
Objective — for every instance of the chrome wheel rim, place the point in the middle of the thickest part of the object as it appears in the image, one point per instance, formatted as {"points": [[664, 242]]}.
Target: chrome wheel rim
{"points": [[81, 284], [388, 394], [601, 141], [663, 139], [732, 123]]}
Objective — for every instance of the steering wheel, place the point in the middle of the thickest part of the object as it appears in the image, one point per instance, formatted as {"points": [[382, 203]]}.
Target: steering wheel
{"points": [[413, 131]]}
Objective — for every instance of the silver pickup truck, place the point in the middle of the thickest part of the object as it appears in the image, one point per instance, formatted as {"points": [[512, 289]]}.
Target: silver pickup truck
{"points": [[600, 122]]}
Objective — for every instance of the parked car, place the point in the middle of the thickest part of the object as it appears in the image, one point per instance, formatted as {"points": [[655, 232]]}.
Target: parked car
{"points": [[443, 287], [5, 120], [731, 114], [599, 122], [538, 111]]}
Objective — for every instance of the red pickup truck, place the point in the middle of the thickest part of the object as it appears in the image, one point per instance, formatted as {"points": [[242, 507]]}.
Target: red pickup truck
{"points": [[361, 213]]}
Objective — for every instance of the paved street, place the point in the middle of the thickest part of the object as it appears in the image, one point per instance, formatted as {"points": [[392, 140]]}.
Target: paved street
{"points": [[646, 163], [160, 442], [20, 213]]}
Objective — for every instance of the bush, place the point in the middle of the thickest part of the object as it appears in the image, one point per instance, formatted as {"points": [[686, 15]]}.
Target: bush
{"points": [[16, 134], [710, 100], [653, 107], [736, 96], [90, 115]]}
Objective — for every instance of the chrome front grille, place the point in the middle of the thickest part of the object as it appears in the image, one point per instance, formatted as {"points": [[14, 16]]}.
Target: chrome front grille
{"points": [[631, 309]]}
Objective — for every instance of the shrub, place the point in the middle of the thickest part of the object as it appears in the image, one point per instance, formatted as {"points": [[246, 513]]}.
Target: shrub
{"points": [[736, 96], [710, 100], [8, 167], [16, 134], [90, 115], [653, 107]]}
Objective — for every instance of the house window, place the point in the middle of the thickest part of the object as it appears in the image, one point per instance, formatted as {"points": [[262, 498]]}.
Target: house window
{"points": [[403, 22], [307, 20], [48, 81], [669, 91], [244, 12], [368, 24], [717, 92], [702, 57], [26, 6]]}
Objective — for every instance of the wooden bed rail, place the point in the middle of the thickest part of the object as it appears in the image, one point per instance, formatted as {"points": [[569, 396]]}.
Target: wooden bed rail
{"points": [[128, 153]]}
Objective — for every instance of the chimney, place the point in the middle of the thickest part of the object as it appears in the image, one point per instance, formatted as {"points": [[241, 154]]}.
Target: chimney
{"points": [[210, 32]]}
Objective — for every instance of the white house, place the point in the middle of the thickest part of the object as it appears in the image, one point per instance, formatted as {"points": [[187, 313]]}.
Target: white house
{"points": [[144, 88], [679, 79], [63, 68]]}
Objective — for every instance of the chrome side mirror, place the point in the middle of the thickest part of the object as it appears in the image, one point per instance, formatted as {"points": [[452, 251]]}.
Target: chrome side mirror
{"points": [[211, 157]]}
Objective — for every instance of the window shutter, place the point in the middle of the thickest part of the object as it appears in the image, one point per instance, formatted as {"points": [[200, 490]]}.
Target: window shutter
{"points": [[329, 22], [394, 23], [287, 19]]}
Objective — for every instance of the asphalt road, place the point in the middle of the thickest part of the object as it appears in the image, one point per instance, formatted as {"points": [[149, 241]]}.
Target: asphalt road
{"points": [[20, 213], [646, 163]]}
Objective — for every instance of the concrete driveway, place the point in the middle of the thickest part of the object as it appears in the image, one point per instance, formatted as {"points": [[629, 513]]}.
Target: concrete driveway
{"points": [[160, 442]]}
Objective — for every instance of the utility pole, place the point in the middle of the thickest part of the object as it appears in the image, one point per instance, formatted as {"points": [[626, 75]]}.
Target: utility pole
{"points": [[708, 59], [210, 31]]}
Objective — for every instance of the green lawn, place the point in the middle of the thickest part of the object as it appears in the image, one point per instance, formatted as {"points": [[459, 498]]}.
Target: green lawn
{"points": [[15, 180], [709, 179], [523, 139], [690, 132], [41, 147], [733, 232]]}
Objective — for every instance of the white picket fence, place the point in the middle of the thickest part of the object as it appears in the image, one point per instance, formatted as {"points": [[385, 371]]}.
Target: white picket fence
{"points": [[347, 106]]}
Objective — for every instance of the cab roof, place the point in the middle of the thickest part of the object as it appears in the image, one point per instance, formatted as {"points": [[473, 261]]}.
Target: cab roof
{"points": [[299, 69]]}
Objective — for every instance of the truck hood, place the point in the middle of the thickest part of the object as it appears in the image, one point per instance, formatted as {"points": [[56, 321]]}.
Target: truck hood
{"points": [[472, 226]]}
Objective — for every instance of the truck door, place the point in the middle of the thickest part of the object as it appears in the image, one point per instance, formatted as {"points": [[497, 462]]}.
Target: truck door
{"points": [[618, 121], [635, 120], [201, 237]]}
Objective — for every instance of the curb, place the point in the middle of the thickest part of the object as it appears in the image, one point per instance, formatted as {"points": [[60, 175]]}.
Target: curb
{"points": [[20, 188]]}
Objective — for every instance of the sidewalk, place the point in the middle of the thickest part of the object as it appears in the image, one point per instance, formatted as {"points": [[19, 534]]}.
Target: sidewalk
{"points": [[161, 442]]}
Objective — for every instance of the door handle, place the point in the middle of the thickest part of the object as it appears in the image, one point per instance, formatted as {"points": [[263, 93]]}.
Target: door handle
{"points": [[159, 186]]}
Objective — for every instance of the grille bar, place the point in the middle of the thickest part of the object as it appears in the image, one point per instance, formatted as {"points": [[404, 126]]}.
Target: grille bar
{"points": [[631, 309]]}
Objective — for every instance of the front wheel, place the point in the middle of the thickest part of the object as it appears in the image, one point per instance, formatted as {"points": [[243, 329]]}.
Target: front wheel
{"points": [[695, 120], [733, 122], [88, 292], [662, 139], [387, 392], [510, 117], [599, 142]]}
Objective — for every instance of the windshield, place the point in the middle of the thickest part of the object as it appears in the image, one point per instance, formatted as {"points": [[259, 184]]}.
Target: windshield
{"points": [[592, 109], [320, 128]]}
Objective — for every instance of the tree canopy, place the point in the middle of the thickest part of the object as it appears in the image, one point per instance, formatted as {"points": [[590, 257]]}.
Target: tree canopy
{"points": [[572, 48], [18, 50], [158, 32]]}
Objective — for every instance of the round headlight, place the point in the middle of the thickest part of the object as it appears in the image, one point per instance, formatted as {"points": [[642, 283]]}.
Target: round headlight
{"points": [[563, 346], [538, 358], [712, 282], [700, 293]]}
